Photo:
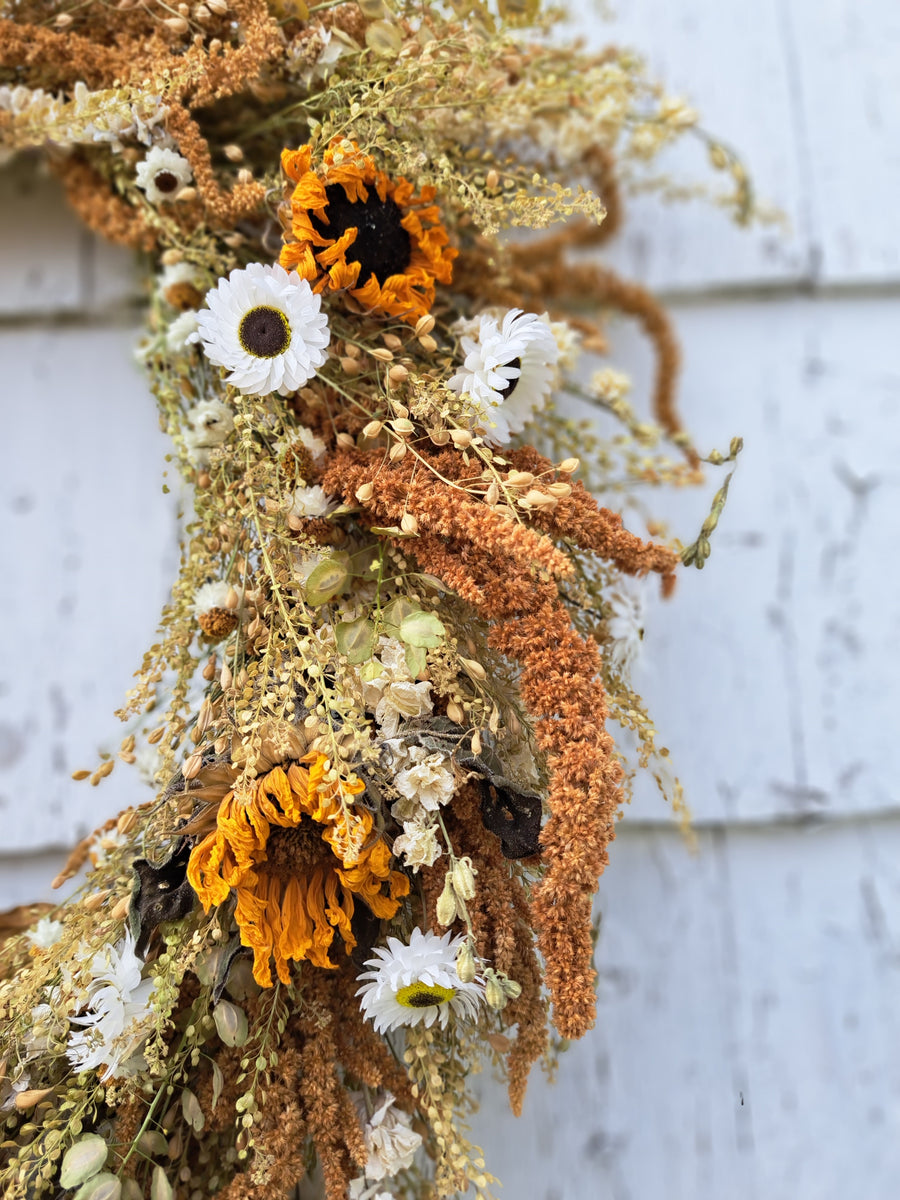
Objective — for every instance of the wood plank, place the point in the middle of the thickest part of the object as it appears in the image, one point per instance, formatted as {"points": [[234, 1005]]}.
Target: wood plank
{"points": [[772, 673], [846, 59], [42, 243], [728, 61], [91, 553], [745, 1045]]}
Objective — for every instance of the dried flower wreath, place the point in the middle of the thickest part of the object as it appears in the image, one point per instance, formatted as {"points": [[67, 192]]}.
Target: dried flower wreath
{"points": [[384, 789]]}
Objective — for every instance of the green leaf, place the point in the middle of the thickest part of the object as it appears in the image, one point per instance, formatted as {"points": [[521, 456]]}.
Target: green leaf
{"points": [[393, 614], [83, 1160], [328, 578], [356, 639], [101, 1187], [416, 660], [160, 1188], [231, 1023], [422, 629], [193, 1113], [218, 1083]]}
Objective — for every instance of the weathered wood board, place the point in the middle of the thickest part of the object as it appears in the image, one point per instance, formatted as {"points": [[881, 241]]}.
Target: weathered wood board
{"points": [[747, 1044], [92, 548]]}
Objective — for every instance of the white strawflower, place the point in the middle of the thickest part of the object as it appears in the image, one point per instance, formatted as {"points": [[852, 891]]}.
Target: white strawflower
{"points": [[625, 623], [210, 596], [181, 331], [267, 328], [391, 693], [209, 425], [417, 984], [311, 502], [115, 1023], [163, 175], [508, 371], [390, 1140], [307, 439], [45, 934], [418, 845]]}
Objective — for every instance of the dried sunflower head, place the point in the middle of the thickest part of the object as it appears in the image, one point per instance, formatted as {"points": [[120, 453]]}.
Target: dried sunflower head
{"points": [[354, 228]]}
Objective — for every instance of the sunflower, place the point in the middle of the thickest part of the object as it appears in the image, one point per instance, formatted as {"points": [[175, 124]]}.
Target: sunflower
{"points": [[355, 228], [295, 857]]}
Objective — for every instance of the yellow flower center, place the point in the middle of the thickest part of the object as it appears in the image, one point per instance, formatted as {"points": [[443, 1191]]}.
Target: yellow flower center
{"points": [[424, 995], [264, 332]]}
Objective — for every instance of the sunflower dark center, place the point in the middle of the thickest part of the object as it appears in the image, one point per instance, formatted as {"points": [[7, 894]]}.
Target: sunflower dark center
{"points": [[382, 246], [507, 391], [165, 181], [296, 851], [264, 332]]}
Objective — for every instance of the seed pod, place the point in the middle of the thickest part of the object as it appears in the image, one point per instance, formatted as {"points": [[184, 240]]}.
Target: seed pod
{"points": [[192, 766], [446, 910], [463, 875], [461, 438], [409, 524], [372, 429], [455, 712], [511, 989], [494, 995], [465, 962], [569, 465]]}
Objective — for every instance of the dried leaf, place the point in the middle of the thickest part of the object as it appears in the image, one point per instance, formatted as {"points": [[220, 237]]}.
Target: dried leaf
{"points": [[328, 578], [355, 639], [83, 1160], [161, 892], [422, 629], [384, 38]]}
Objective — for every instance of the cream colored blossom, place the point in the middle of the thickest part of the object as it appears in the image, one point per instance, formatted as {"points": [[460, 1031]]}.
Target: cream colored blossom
{"points": [[390, 691], [418, 845]]}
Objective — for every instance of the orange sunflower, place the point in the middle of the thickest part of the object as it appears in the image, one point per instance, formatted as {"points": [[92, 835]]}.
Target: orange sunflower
{"points": [[295, 857], [354, 227]]}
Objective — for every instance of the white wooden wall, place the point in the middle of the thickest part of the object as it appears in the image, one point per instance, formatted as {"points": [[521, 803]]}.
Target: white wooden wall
{"points": [[748, 1039]]}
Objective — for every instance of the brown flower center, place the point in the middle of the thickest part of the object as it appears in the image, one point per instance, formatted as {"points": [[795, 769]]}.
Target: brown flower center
{"points": [[382, 246], [264, 332], [296, 851], [507, 391], [166, 181]]}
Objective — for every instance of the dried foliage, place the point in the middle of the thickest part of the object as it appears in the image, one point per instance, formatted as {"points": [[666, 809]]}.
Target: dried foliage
{"points": [[374, 720]]}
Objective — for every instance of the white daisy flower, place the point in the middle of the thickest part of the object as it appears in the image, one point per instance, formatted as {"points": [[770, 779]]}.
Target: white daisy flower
{"points": [[508, 370], [389, 1137], [417, 984], [625, 623], [311, 502], [163, 175], [45, 934], [266, 328]]}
